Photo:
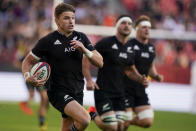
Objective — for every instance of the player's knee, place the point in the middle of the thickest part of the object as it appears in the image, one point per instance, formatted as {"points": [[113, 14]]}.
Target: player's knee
{"points": [[146, 123], [126, 124], [128, 118], [111, 128], [114, 128], [85, 122], [146, 118]]}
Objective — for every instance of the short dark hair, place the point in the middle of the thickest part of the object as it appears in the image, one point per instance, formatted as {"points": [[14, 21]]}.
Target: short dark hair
{"points": [[141, 18], [63, 7], [121, 16]]}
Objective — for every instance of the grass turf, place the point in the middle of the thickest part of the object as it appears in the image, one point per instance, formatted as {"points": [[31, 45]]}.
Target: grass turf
{"points": [[13, 119]]}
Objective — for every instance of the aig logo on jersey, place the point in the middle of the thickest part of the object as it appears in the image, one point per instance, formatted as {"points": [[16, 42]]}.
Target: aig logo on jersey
{"points": [[123, 55], [69, 49], [145, 54]]}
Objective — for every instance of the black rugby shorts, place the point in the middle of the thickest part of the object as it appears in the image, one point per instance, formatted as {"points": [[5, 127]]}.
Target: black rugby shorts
{"points": [[60, 99], [136, 96]]}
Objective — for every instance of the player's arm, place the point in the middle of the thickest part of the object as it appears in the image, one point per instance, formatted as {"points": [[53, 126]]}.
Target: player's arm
{"points": [[154, 74], [93, 56], [133, 74], [27, 63], [90, 84]]}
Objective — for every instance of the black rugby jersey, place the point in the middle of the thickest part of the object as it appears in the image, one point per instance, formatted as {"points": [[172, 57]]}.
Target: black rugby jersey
{"points": [[143, 58], [116, 57], [65, 61]]}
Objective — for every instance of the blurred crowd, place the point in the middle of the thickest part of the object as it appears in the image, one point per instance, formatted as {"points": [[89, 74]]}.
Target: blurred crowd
{"points": [[23, 22]]}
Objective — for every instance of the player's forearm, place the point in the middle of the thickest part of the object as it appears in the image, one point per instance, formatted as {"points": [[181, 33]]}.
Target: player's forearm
{"points": [[133, 74], [153, 72], [27, 63], [96, 59], [86, 68]]}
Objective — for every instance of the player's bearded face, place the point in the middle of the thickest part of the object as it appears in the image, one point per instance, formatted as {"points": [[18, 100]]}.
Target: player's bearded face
{"points": [[125, 28], [66, 21]]}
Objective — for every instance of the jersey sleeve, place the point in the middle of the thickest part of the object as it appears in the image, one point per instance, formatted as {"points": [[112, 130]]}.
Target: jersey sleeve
{"points": [[40, 49], [87, 43]]}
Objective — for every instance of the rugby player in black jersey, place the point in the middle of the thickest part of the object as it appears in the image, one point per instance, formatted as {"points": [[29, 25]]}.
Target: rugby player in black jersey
{"points": [[63, 50], [108, 89], [136, 98]]}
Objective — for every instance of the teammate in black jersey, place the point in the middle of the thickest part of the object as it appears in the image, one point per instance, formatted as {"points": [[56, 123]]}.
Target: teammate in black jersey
{"points": [[63, 49], [109, 94], [136, 97]]}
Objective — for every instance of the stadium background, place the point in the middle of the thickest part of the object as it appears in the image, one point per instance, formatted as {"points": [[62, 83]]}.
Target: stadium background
{"points": [[23, 22]]}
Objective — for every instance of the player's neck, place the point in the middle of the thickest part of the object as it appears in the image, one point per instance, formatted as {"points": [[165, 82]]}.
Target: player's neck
{"points": [[122, 39], [67, 34], [143, 41]]}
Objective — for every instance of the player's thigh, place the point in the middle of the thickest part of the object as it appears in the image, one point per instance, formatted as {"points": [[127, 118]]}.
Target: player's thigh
{"points": [[74, 110]]}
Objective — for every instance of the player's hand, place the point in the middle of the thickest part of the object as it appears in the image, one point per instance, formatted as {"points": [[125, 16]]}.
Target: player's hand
{"points": [[159, 78], [32, 80], [78, 45], [144, 81], [91, 85]]}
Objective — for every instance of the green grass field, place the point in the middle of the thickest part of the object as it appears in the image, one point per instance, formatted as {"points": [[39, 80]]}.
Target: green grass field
{"points": [[12, 119]]}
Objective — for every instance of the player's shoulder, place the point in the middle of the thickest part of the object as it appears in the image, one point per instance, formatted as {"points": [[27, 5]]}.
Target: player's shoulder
{"points": [[49, 36], [133, 41], [151, 47], [108, 39], [150, 44], [78, 33]]}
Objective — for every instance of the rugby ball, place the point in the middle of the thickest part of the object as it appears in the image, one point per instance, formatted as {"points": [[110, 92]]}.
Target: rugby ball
{"points": [[43, 68]]}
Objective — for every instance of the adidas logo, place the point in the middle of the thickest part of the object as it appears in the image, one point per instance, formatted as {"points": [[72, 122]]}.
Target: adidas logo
{"points": [[136, 47], [57, 42], [115, 46]]}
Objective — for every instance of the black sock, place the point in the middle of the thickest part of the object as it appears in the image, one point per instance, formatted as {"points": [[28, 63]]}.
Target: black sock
{"points": [[73, 128], [41, 120], [93, 115]]}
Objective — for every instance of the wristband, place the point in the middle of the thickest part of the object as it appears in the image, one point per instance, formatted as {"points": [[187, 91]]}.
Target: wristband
{"points": [[88, 53], [26, 75]]}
